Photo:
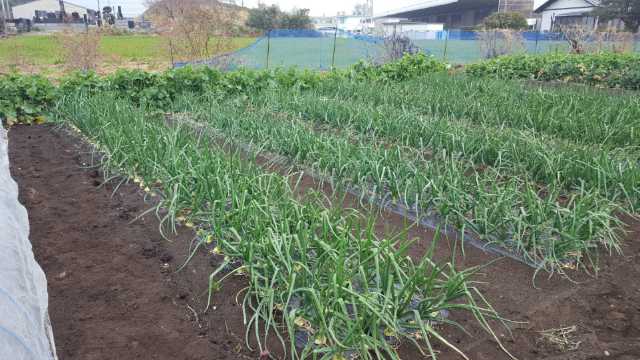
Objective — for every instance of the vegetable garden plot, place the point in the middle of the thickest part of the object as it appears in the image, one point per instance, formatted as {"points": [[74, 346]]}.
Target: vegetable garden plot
{"points": [[97, 254], [363, 193], [544, 158], [352, 290], [322, 272], [554, 303], [503, 208], [608, 69], [585, 116]]}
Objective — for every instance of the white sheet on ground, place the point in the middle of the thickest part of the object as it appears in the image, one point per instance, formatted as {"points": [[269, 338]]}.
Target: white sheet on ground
{"points": [[25, 328]]}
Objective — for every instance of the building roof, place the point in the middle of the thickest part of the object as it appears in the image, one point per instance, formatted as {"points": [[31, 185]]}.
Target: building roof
{"points": [[546, 4], [420, 6], [405, 22], [436, 6], [56, 1]]}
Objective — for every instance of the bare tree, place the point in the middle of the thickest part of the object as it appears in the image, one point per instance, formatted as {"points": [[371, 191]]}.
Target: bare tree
{"points": [[80, 50], [614, 41], [577, 36], [193, 29], [361, 9], [397, 46], [498, 42]]}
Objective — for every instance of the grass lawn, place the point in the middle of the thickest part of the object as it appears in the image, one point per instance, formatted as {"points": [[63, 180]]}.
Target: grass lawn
{"points": [[43, 50]]}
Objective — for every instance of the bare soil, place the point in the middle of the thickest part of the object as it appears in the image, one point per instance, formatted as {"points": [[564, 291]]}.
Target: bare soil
{"points": [[114, 292], [113, 287]]}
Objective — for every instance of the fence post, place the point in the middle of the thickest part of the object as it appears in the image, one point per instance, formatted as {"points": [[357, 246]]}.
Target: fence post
{"points": [[333, 56], [173, 63], [537, 34], [446, 43], [268, 47]]}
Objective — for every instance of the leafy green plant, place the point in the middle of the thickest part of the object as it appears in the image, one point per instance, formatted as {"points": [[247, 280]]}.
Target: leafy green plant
{"points": [[505, 20], [24, 98], [409, 66], [87, 82], [601, 69]]}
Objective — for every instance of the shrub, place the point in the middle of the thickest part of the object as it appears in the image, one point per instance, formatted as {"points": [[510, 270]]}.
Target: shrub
{"points": [[494, 43], [80, 50], [409, 66], [24, 98], [505, 20]]}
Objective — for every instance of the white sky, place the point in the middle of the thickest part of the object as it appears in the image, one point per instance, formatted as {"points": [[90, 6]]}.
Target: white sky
{"points": [[318, 7]]}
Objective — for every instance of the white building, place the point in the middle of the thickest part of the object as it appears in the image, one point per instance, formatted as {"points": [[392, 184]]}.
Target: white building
{"points": [[555, 13], [350, 23], [36, 8], [400, 26]]}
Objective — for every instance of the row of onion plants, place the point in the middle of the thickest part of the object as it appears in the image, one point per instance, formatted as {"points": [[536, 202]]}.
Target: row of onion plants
{"points": [[552, 229], [550, 161], [314, 272], [583, 115]]}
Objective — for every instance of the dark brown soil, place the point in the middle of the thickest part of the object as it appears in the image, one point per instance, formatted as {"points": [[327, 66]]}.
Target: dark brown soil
{"points": [[113, 297], [114, 292]]}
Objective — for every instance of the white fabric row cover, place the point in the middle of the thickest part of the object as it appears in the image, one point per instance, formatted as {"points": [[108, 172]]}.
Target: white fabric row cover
{"points": [[25, 328]]}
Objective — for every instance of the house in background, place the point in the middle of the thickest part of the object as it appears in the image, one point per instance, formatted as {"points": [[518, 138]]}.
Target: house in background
{"points": [[555, 14]]}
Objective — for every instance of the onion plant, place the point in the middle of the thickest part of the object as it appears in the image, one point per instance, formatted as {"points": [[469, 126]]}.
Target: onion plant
{"points": [[548, 160], [500, 208], [315, 273], [585, 116]]}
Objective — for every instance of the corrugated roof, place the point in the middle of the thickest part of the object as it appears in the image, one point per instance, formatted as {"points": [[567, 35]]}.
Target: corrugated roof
{"points": [[547, 3], [419, 6]]}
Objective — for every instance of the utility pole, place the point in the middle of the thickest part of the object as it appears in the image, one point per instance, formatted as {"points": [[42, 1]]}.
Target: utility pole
{"points": [[99, 22], [370, 11], [3, 17], [5, 9]]}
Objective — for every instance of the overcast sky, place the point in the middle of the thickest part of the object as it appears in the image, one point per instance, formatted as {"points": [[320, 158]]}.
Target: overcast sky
{"points": [[318, 7]]}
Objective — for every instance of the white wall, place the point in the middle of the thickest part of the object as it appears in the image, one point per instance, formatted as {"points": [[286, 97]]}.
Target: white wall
{"points": [[28, 10], [390, 28], [561, 7]]}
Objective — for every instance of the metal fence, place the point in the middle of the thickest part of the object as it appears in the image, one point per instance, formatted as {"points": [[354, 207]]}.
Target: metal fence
{"points": [[311, 49]]}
